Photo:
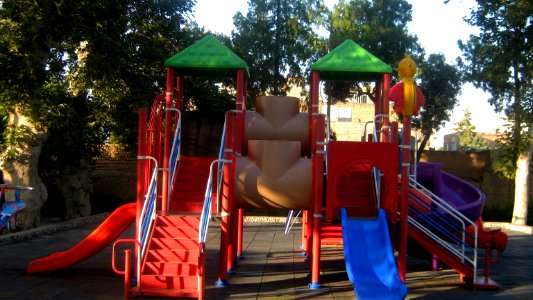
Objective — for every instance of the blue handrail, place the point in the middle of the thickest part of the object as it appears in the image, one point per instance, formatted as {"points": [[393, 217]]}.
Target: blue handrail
{"points": [[148, 212], [175, 152]]}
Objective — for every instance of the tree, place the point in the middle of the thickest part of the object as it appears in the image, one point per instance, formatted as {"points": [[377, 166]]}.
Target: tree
{"points": [[499, 60], [78, 71], [379, 27], [441, 84], [277, 40], [468, 137]]}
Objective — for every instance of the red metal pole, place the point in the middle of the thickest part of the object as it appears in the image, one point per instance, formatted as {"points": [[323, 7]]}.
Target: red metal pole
{"points": [[127, 273], [167, 141], [227, 194], [378, 109], [240, 221], [304, 246], [406, 154], [385, 108], [142, 165], [317, 185]]}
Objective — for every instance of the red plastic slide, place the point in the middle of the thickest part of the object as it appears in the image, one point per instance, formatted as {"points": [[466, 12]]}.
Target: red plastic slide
{"points": [[95, 242]]}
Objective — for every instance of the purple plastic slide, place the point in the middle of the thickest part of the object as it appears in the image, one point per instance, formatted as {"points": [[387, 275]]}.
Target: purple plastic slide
{"points": [[461, 194]]}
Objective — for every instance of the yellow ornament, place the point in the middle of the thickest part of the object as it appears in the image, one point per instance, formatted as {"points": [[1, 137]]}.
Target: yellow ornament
{"points": [[407, 71]]}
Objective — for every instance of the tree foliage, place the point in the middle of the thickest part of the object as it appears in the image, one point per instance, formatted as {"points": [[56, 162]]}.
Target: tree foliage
{"points": [[499, 60], [468, 137], [378, 26], [277, 40], [99, 60], [441, 84]]}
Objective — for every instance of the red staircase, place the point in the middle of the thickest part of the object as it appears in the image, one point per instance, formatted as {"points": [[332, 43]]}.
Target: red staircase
{"points": [[174, 262], [190, 183], [173, 265]]}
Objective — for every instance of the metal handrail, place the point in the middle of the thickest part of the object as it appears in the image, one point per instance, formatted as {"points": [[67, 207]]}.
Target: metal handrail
{"points": [[206, 209], [220, 172], [454, 214], [175, 153], [148, 213]]}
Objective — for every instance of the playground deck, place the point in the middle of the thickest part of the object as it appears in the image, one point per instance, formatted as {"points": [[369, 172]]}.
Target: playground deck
{"points": [[272, 268]]}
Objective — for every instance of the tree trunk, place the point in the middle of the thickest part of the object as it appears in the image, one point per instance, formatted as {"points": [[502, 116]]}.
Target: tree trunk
{"points": [[421, 147], [521, 196], [21, 168]]}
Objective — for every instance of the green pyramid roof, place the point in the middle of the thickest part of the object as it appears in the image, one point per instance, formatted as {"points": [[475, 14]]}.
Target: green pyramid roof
{"points": [[350, 62], [207, 57]]}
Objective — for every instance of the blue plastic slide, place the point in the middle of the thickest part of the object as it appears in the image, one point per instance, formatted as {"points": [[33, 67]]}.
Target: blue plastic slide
{"points": [[369, 258]]}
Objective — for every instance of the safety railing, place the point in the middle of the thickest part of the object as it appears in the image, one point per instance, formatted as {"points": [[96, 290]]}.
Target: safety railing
{"points": [[220, 170], [375, 171], [442, 223], [206, 209], [175, 153], [148, 214]]}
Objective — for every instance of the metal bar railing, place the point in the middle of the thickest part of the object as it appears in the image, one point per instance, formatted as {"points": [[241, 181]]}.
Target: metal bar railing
{"points": [[175, 153], [206, 209], [148, 214], [444, 223], [220, 171]]}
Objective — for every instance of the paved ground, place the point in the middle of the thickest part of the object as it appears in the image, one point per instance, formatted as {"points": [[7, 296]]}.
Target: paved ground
{"points": [[272, 269]]}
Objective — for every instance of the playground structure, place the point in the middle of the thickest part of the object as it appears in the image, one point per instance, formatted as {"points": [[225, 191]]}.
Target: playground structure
{"points": [[277, 157], [10, 208]]}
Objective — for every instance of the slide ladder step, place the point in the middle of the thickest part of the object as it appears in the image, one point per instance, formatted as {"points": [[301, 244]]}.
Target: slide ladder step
{"points": [[171, 266]]}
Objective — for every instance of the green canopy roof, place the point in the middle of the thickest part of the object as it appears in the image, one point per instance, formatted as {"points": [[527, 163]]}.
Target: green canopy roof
{"points": [[350, 62], [207, 57]]}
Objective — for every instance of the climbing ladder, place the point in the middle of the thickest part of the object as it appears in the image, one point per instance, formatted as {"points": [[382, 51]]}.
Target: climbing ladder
{"points": [[169, 246]]}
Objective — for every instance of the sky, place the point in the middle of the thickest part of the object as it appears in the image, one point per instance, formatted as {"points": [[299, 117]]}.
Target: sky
{"points": [[438, 27]]}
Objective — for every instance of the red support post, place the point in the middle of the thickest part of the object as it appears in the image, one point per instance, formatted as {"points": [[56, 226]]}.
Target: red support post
{"points": [[406, 158], [227, 194], [167, 141], [317, 186], [142, 166], [378, 110], [385, 108], [240, 225], [304, 245], [127, 274], [313, 106]]}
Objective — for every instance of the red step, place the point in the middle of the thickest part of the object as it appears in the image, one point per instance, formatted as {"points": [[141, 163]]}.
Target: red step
{"points": [[171, 232], [171, 265], [170, 269], [174, 285], [331, 234], [189, 187], [169, 255], [178, 221]]}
